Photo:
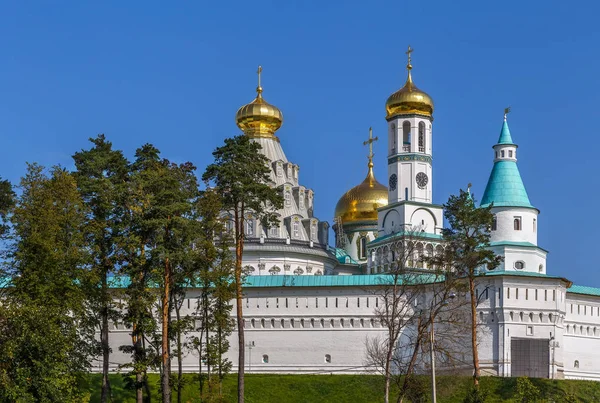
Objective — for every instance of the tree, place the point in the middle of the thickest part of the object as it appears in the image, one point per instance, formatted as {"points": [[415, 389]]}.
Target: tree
{"points": [[240, 173], [410, 298], [47, 336], [166, 225], [468, 240], [102, 179]]}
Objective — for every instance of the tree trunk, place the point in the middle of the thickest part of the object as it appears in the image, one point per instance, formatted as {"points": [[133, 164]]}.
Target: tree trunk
{"points": [[411, 365], [207, 343], [106, 392], [239, 250], [166, 362], [388, 372], [476, 371], [139, 379], [179, 354]]}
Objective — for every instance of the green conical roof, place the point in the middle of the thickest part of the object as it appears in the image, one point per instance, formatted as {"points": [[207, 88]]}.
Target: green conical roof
{"points": [[505, 187]]}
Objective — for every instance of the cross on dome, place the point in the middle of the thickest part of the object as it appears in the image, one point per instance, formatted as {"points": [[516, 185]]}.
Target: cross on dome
{"points": [[370, 142]]}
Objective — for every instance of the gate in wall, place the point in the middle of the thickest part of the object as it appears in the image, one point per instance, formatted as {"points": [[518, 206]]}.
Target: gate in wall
{"points": [[530, 357]]}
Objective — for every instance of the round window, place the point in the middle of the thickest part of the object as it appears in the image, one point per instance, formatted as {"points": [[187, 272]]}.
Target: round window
{"points": [[519, 265]]}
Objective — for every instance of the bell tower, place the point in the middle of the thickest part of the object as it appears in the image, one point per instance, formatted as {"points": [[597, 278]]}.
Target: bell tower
{"points": [[409, 116]]}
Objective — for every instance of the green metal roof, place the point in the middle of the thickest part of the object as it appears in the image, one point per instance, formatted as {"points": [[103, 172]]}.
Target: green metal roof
{"points": [[505, 187], [495, 273], [341, 255], [505, 137], [515, 243], [581, 289]]}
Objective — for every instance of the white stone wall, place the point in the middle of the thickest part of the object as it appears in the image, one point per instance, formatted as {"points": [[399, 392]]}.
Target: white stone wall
{"points": [[505, 229], [582, 337]]}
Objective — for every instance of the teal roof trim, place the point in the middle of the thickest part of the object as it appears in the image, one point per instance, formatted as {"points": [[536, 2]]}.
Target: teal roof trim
{"points": [[581, 289], [505, 187], [335, 281], [505, 137], [522, 274], [341, 255], [418, 235], [514, 243]]}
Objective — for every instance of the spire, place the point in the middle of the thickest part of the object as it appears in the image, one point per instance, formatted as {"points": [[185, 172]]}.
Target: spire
{"points": [[259, 89], [505, 137], [370, 142], [409, 81], [505, 187]]}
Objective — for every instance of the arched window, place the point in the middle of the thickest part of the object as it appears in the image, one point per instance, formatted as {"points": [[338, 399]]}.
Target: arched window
{"points": [[517, 223], [502, 153], [406, 135], [328, 358], [406, 194], [421, 137], [510, 153], [296, 228], [393, 136], [576, 364], [265, 359], [288, 198], [534, 225], [512, 316], [250, 226], [494, 223], [363, 247]]}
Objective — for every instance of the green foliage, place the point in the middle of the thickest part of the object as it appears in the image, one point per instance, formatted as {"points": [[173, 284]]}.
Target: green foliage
{"points": [[526, 391], [47, 336], [468, 235], [475, 395], [328, 388]]}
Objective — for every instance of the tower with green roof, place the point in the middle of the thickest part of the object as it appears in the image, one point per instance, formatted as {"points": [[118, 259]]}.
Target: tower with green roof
{"points": [[514, 232]]}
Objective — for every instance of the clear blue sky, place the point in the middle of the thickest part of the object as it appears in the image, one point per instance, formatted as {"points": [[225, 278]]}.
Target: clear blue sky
{"points": [[174, 74]]}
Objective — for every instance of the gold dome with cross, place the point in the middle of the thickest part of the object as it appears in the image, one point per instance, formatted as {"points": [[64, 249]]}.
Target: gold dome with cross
{"points": [[409, 99], [259, 118], [361, 202]]}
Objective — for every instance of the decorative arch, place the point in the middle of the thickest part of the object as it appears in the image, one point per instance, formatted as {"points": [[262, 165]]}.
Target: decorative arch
{"points": [[412, 217]]}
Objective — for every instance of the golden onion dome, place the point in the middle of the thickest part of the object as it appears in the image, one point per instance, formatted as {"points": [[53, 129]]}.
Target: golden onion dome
{"points": [[259, 118], [361, 202], [408, 99]]}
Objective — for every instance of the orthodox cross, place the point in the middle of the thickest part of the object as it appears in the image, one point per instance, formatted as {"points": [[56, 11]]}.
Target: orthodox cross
{"points": [[370, 143], [408, 52]]}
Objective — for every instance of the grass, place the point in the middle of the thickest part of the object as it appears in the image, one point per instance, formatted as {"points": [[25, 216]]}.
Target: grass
{"points": [[355, 389]]}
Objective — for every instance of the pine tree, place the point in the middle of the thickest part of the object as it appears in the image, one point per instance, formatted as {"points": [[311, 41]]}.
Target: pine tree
{"points": [[240, 173], [102, 179], [468, 239]]}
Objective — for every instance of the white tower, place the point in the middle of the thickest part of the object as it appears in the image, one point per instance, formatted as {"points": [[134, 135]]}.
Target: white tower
{"points": [[514, 231], [409, 116]]}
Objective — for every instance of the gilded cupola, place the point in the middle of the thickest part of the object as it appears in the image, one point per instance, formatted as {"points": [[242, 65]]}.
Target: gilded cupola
{"points": [[360, 203], [409, 99], [259, 118]]}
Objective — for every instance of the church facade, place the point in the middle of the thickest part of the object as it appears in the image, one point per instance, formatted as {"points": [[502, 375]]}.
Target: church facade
{"points": [[309, 306]]}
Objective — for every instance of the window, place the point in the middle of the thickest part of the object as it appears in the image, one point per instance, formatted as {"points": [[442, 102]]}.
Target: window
{"points": [[494, 223], [328, 358], [406, 134], [517, 223], [288, 198], [279, 170], [421, 137], [496, 154], [301, 200], [502, 153], [405, 193], [274, 231], [519, 265], [545, 295], [534, 225], [363, 248], [296, 229], [265, 359], [509, 153], [541, 268], [576, 364], [249, 226]]}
